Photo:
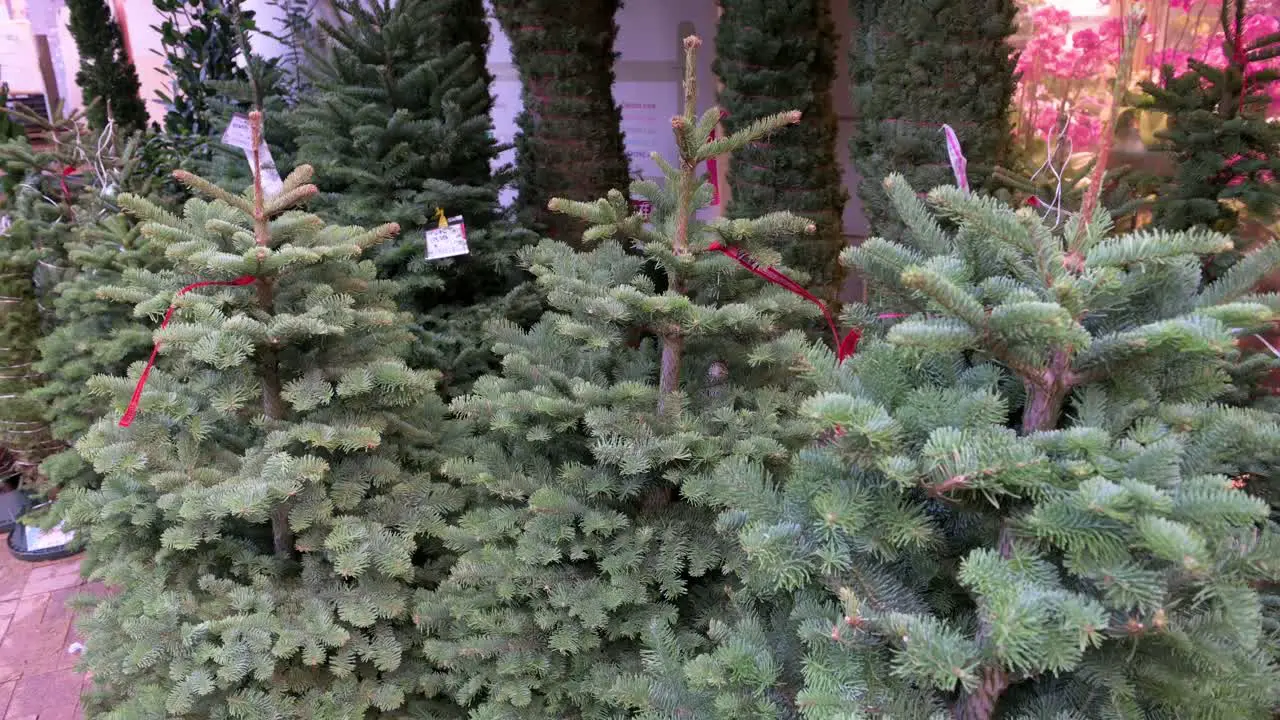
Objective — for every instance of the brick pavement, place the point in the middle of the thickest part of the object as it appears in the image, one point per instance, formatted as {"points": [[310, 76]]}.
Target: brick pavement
{"points": [[38, 680]]}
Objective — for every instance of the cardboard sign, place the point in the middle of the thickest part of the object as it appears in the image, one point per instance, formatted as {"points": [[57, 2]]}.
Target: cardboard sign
{"points": [[447, 241]]}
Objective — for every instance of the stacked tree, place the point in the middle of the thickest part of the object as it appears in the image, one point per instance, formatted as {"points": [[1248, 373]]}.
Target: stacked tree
{"points": [[398, 121], [40, 213], [772, 57], [570, 140], [591, 448], [22, 427], [106, 76], [917, 65], [1028, 502], [267, 513], [1226, 149]]}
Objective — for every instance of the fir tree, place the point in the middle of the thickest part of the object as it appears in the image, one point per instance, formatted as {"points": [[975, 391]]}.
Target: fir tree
{"points": [[399, 122], [41, 213], [201, 48], [1029, 501], [918, 64], [268, 512], [570, 141], [772, 57], [23, 431], [106, 75], [589, 448], [1226, 149]]}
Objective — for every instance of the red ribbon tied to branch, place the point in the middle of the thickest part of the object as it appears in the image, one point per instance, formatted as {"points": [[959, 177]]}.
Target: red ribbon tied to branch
{"points": [[132, 411], [67, 172], [845, 346]]}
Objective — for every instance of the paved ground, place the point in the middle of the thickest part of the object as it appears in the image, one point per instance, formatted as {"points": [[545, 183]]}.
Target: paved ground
{"points": [[37, 676]]}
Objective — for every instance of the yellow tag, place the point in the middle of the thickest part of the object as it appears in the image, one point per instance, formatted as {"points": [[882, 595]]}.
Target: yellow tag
{"points": [[441, 221]]}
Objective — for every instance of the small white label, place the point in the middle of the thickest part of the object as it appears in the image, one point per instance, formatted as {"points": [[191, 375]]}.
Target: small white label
{"points": [[238, 134], [5, 223], [271, 182], [443, 242], [38, 539]]}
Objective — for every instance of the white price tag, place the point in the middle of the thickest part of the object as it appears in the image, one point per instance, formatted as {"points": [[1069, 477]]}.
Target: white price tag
{"points": [[271, 182], [448, 241], [5, 224], [238, 133]]}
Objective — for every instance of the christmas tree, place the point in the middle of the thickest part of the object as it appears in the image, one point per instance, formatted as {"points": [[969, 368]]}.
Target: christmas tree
{"points": [[773, 57], [268, 500], [23, 431], [40, 214], [93, 335], [589, 448], [1028, 502], [1226, 148], [201, 46], [570, 140], [107, 75], [918, 64], [398, 121]]}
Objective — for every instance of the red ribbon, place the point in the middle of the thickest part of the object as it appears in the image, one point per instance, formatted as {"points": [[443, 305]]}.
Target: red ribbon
{"points": [[845, 346], [132, 411], [67, 171]]}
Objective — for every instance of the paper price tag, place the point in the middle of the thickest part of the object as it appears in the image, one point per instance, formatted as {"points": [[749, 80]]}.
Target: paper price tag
{"points": [[271, 182], [448, 241], [238, 133]]}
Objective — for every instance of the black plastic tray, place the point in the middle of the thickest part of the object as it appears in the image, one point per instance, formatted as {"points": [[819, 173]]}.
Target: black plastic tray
{"points": [[18, 546]]}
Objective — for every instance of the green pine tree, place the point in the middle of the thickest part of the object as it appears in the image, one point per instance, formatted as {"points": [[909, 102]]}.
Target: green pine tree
{"points": [[1226, 149], [1028, 501], [918, 64], [106, 75], [41, 211], [200, 40], [570, 141], [590, 450], [398, 121], [772, 57], [269, 512], [23, 430]]}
